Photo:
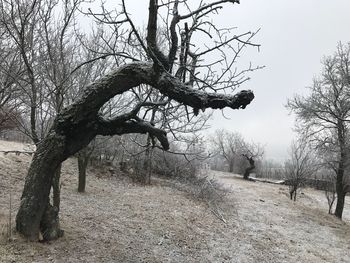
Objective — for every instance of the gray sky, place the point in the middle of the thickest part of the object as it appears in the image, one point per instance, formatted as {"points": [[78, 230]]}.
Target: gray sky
{"points": [[294, 36]]}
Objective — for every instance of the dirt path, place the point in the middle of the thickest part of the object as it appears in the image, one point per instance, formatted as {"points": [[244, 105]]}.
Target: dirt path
{"points": [[287, 231], [118, 221]]}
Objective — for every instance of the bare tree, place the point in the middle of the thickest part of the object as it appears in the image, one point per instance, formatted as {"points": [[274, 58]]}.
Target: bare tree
{"points": [[300, 166], [229, 146], [9, 91], [75, 126], [239, 154], [251, 152], [43, 36], [330, 193], [324, 114], [19, 21]]}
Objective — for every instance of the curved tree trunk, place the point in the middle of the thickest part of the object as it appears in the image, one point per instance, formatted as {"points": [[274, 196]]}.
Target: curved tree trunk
{"points": [[36, 214], [250, 168], [72, 130], [35, 197], [79, 123]]}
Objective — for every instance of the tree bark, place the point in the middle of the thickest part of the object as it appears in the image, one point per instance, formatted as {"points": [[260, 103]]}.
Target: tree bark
{"points": [[340, 205], [231, 166], [56, 190], [340, 171], [35, 197], [50, 224], [250, 168], [83, 160]]}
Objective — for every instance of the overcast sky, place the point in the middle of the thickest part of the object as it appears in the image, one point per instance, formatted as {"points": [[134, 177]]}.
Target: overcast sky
{"points": [[294, 37]]}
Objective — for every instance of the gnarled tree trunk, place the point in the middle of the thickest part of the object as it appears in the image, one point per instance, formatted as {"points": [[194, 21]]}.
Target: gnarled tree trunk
{"points": [[79, 123], [35, 198], [249, 169]]}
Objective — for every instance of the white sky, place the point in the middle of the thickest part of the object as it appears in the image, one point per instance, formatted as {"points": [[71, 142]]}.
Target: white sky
{"points": [[294, 37]]}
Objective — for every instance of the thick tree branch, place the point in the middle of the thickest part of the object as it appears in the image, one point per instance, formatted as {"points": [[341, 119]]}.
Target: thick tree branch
{"points": [[156, 55], [174, 37], [106, 127], [134, 74], [175, 89]]}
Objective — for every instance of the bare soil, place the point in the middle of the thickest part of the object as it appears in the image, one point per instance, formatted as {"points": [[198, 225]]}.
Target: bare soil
{"points": [[119, 221]]}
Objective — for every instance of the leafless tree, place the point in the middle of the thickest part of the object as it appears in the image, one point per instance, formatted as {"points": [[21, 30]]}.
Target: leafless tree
{"points": [[75, 126], [9, 92], [47, 72], [330, 193], [323, 116], [229, 145], [251, 152], [299, 167], [239, 154], [18, 20]]}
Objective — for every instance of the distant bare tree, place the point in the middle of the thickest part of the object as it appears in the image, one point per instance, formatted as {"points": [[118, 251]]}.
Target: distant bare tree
{"points": [[236, 151], [323, 116], [251, 152], [300, 166], [229, 145]]}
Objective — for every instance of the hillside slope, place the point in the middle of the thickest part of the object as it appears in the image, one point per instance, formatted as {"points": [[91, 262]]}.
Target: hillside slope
{"points": [[118, 221]]}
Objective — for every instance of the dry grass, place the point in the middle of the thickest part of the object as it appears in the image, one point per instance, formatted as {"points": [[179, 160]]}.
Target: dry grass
{"points": [[118, 221]]}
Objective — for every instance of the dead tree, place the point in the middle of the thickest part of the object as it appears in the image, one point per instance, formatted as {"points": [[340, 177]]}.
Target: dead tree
{"points": [[76, 125]]}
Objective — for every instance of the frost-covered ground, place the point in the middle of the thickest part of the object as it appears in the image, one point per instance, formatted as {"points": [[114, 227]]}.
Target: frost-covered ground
{"points": [[118, 221]]}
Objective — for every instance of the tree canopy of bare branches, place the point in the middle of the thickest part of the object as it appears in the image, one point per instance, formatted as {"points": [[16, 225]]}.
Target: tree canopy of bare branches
{"points": [[177, 71], [228, 145], [237, 151], [300, 166], [323, 117]]}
